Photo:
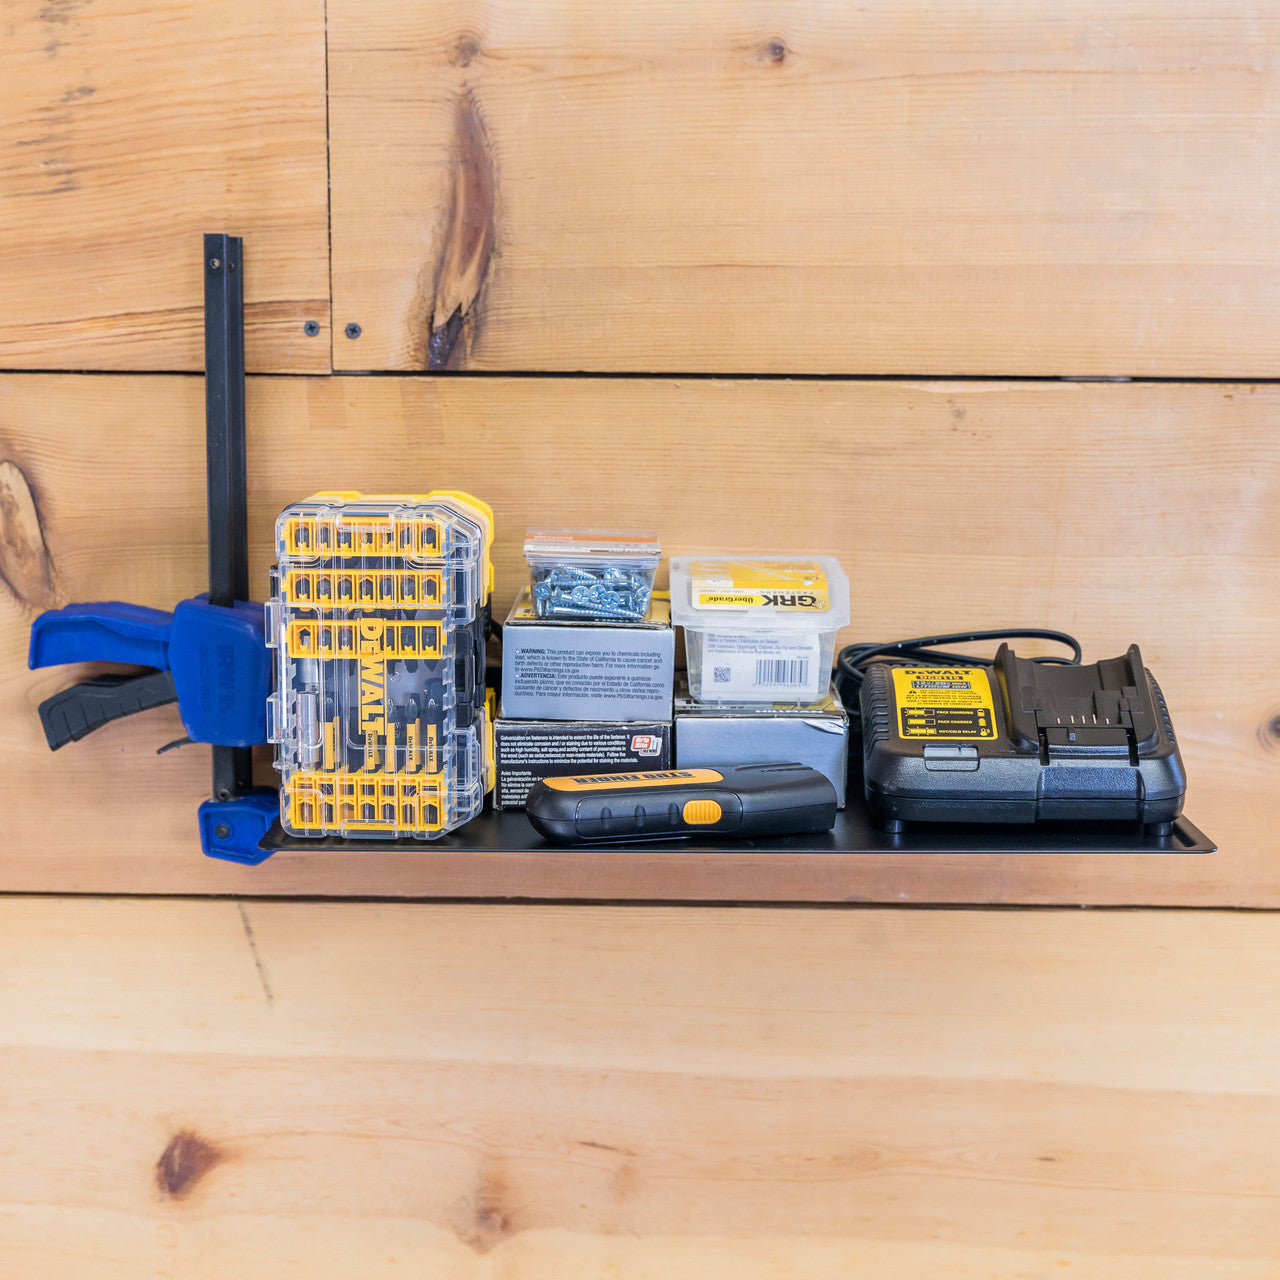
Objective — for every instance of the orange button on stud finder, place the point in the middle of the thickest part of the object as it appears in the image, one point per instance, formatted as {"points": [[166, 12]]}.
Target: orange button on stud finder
{"points": [[701, 813]]}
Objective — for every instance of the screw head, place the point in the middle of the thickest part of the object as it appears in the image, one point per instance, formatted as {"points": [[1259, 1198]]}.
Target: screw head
{"points": [[222, 831], [311, 328], [353, 330]]}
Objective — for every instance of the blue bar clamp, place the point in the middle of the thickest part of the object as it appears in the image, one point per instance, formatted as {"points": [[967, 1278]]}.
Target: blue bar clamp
{"points": [[213, 662], [209, 655]]}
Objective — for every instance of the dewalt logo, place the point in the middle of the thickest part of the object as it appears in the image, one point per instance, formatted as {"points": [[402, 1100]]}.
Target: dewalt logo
{"points": [[373, 673]]}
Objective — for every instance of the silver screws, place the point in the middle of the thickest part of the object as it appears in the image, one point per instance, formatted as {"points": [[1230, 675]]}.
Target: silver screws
{"points": [[568, 591]]}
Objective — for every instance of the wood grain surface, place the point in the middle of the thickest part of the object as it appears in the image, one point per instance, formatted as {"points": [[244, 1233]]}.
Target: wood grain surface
{"points": [[1121, 512], [129, 131], [306, 1090], [996, 189]]}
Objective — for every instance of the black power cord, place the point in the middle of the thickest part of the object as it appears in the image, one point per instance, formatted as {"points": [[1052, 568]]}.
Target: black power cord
{"points": [[923, 651]]}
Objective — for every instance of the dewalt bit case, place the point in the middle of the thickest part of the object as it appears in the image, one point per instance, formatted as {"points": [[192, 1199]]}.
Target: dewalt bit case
{"points": [[378, 618], [1019, 741]]}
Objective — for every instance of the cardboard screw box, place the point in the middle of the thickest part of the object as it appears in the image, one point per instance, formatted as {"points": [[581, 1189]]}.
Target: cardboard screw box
{"points": [[587, 670], [755, 733], [526, 751]]}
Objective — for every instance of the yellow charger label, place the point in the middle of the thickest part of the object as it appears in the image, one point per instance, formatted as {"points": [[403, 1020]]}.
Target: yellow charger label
{"points": [[944, 702], [786, 585]]}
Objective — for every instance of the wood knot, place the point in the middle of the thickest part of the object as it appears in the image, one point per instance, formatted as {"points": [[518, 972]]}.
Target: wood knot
{"points": [[446, 313], [25, 566], [486, 1217], [775, 51], [491, 1225], [1269, 730], [465, 52], [182, 1164]]}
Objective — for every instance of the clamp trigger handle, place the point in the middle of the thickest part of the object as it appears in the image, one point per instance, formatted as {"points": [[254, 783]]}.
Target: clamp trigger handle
{"points": [[76, 712]]}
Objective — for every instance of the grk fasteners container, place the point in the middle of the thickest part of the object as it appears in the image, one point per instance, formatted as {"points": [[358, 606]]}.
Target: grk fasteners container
{"points": [[759, 629]]}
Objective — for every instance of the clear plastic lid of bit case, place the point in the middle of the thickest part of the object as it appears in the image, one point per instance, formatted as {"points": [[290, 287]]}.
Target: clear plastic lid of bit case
{"points": [[377, 617]]}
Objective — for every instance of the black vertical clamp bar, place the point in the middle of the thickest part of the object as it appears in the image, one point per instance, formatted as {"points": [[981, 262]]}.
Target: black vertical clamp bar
{"points": [[225, 451]]}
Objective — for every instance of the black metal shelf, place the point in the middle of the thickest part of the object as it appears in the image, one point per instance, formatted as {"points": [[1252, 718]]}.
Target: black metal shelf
{"points": [[855, 832]]}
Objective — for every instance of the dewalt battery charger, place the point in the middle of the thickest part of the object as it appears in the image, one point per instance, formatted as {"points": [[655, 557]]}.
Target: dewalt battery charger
{"points": [[1019, 741]]}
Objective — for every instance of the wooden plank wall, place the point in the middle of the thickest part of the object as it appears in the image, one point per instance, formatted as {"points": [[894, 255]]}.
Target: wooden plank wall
{"points": [[935, 214], [1039, 514], [292, 1091], [1004, 188], [129, 131]]}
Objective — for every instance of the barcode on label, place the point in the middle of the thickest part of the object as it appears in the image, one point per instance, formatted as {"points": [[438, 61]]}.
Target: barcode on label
{"points": [[723, 675], [771, 671]]}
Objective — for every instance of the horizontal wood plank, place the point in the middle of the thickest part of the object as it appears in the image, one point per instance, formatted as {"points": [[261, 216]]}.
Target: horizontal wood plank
{"points": [[1010, 188], [318, 1090], [129, 131], [1121, 512]]}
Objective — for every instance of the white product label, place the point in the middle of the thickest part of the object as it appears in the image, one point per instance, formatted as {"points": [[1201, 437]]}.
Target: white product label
{"points": [[618, 546], [758, 667]]}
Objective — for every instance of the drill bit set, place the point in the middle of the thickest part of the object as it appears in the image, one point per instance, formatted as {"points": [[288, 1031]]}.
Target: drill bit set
{"points": [[378, 618]]}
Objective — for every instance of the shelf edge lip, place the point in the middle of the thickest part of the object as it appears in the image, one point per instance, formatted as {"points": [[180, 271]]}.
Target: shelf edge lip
{"points": [[1086, 840]]}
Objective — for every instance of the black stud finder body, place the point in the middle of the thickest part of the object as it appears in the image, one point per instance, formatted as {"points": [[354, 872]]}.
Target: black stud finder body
{"points": [[735, 801]]}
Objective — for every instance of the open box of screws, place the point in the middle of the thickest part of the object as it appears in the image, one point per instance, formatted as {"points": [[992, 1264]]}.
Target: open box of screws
{"points": [[591, 574]]}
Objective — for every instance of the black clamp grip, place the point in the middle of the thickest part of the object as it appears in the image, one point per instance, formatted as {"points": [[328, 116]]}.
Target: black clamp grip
{"points": [[76, 712]]}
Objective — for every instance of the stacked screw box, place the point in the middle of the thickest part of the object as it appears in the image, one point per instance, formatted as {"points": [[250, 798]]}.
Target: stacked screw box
{"points": [[587, 662]]}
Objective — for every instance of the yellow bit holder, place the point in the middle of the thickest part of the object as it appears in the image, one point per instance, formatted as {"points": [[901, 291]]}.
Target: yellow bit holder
{"points": [[333, 537], [311, 638], [363, 588], [348, 802]]}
